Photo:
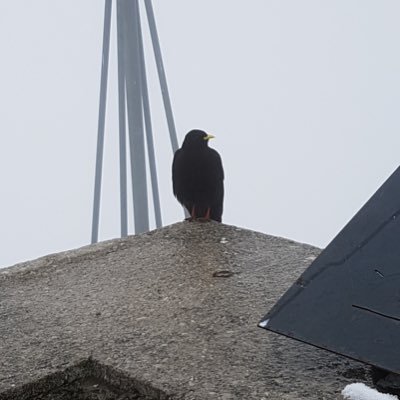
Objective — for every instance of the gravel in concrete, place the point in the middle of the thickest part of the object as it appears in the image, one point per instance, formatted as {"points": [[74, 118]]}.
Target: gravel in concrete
{"points": [[173, 312]]}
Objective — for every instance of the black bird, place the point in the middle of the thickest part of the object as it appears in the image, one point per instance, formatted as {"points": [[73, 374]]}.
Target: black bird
{"points": [[198, 177]]}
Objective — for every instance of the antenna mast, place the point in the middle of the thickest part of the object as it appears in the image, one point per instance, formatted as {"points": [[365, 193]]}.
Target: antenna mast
{"points": [[133, 96]]}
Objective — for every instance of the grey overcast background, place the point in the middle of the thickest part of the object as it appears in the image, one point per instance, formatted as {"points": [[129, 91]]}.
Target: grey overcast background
{"points": [[303, 97]]}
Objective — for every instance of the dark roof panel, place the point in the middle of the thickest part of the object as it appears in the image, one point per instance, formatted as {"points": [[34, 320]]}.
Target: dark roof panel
{"points": [[348, 300]]}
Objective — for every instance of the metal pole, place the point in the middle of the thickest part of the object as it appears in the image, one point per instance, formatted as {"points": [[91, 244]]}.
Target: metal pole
{"points": [[135, 118], [102, 114], [149, 131], [122, 118], [161, 74]]}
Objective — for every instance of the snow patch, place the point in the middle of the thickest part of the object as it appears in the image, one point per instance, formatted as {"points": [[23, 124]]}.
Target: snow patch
{"points": [[359, 391], [263, 324]]}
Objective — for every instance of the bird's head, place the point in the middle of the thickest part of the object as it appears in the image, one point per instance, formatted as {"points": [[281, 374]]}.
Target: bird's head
{"points": [[196, 138]]}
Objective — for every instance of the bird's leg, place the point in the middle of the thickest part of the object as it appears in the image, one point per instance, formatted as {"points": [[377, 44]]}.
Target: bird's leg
{"points": [[206, 218], [192, 215]]}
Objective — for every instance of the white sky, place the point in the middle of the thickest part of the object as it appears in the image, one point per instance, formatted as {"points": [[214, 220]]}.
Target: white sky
{"points": [[302, 96]]}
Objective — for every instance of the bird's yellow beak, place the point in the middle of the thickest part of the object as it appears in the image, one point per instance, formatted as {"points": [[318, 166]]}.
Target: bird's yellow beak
{"points": [[208, 137]]}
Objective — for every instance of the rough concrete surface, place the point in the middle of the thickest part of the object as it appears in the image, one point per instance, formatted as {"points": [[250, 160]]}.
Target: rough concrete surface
{"points": [[171, 313]]}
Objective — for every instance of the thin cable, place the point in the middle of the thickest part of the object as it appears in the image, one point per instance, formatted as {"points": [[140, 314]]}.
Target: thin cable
{"points": [[102, 115]]}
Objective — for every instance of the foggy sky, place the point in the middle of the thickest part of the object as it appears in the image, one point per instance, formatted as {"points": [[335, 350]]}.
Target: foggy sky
{"points": [[302, 97]]}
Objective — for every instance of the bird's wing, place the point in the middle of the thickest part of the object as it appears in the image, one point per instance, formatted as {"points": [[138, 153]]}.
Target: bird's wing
{"points": [[175, 173], [217, 165], [217, 208]]}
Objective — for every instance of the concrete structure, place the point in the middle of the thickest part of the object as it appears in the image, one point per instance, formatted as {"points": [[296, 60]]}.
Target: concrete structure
{"points": [[171, 314]]}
